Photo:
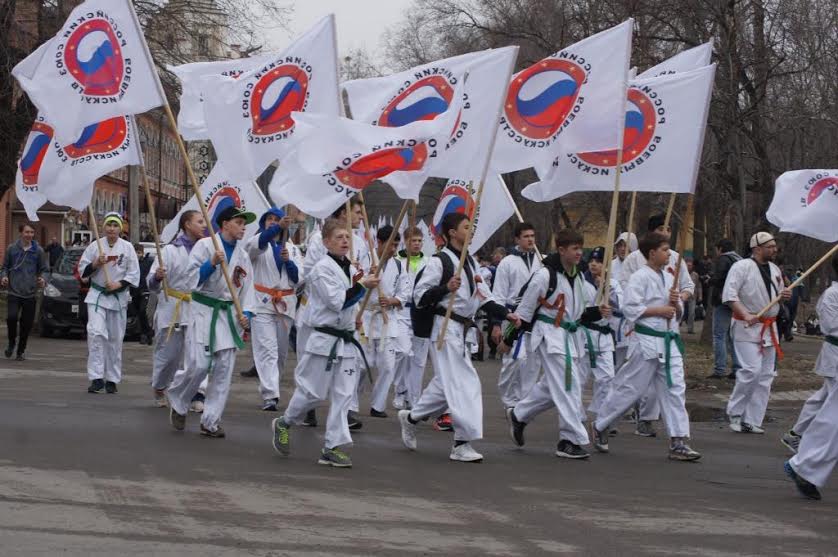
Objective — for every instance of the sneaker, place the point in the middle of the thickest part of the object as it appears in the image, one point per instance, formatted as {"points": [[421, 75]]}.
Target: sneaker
{"points": [[408, 430], [679, 450], [400, 401], [335, 458], [311, 418], [217, 433], [354, 422], [249, 372], [196, 406], [444, 423], [178, 421], [281, 442], [20, 357], [376, 414], [516, 428], [645, 429], [566, 449], [749, 428], [791, 440], [96, 386], [110, 387], [465, 453], [806, 489], [9, 349], [270, 405], [160, 398], [736, 423], [731, 376], [613, 432], [599, 438]]}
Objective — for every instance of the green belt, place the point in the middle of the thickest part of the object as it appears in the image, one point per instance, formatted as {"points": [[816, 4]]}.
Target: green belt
{"points": [[570, 327], [217, 307], [831, 340], [668, 337], [104, 291], [346, 336]]}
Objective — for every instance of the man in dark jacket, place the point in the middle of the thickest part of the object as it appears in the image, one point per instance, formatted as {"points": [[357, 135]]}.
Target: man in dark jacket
{"points": [[722, 314], [139, 297], [22, 273], [54, 251]]}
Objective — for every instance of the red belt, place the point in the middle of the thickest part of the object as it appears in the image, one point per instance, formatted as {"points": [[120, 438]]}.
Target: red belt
{"points": [[767, 323], [277, 296]]}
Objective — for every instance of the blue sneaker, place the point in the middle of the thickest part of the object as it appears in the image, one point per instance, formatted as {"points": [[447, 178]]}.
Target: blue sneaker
{"points": [[806, 489]]}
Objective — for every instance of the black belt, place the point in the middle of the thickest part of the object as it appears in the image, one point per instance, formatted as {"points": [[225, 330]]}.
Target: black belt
{"points": [[346, 336], [604, 329]]}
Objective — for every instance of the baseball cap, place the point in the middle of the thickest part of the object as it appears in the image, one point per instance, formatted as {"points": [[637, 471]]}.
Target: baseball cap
{"points": [[231, 213], [760, 239], [597, 254]]}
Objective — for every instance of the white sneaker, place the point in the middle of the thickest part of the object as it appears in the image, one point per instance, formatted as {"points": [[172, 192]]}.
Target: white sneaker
{"points": [[160, 399], [753, 429], [736, 423], [465, 453], [399, 402], [197, 406], [408, 430]]}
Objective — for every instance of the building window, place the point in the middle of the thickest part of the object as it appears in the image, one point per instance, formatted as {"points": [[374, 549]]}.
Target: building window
{"points": [[203, 45]]}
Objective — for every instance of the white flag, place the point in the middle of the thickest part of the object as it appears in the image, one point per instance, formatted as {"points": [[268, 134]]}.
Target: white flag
{"points": [[190, 118], [335, 158], [66, 175], [249, 118], [424, 92], [218, 193], [688, 60], [495, 209], [665, 122], [95, 68], [573, 97], [806, 202], [456, 197]]}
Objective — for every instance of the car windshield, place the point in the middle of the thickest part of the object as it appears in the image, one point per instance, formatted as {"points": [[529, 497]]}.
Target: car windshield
{"points": [[68, 261]]}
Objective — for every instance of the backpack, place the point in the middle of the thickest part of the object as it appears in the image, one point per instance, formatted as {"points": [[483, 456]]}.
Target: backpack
{"points": [[422, 319]]}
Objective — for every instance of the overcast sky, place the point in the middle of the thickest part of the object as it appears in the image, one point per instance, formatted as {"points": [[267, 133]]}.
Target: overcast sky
{"points": [[360, 23]]}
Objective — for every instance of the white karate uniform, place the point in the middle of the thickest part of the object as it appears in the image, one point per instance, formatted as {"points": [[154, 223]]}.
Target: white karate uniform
{"points": [[208, 356], [603, 355], [618, 322], [518, 372], [818, 451], [107, 314], [316, 380], [551, 345], [387, 344], [645, 363], [455, 384], [171, 317], [649, 407], [754, 345], [273, 316], [411, 370]]}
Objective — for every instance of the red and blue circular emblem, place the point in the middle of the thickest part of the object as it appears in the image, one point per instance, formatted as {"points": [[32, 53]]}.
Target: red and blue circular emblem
{"points": [[95, 61], [541, 97], [276, 95], [101, 137], [424, 100], [455, 198], [37, 145], [829, 183], [369, 168], [639, 131], [225, 197]]}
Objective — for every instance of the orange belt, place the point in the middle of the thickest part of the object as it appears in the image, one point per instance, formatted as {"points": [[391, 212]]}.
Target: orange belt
{"points": [[559, 306], [277, 296], [767, 323]]}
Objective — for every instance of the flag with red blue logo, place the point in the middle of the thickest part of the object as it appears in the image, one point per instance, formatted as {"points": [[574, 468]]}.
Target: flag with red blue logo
{"points": [[573, 98], [806, 202], [65, 174], [665, 121], [95, 68], [686, 61], [249, 118]]}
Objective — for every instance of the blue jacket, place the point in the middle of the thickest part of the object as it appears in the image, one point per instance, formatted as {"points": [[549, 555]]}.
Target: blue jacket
{"points": [[23, 267]]}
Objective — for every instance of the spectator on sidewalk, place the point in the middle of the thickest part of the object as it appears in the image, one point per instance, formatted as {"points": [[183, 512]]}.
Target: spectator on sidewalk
{"points": [[139, 296], [726, 256], [55, 251]]}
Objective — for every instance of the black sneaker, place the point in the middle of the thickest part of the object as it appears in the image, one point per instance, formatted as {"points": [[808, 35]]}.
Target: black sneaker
{"points": [[178, 421], [110, 387], [354, 422], [250, 372], [96, 386], [9, 349], [20, 357], [376, 414], [218, 433], [806, 489], [270, 405], [516, 428], [566, 449], [599, 438], [311, 418]]}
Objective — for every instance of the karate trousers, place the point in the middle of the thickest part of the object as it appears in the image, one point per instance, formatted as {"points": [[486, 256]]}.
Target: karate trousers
{"points": [[603, 375], [811, 408], [270, 334], [105, 331], [818, 451], [749, 398], [169, 356], [517, 375], [414, 366], [385, 355], [197, 370]]}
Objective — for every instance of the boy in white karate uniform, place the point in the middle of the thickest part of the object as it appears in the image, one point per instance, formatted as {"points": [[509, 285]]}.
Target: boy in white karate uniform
{"points": [[387, 344], [170, 280], [107, 303], [817, 449], [277, 270], [455, 384], [332, 357], [751, 283], [410, 370], [214, 332], [625, 244], [655, 355]]}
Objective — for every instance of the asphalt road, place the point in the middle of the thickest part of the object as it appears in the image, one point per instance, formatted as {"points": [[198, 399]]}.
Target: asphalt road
{"points": [[85, 474]]}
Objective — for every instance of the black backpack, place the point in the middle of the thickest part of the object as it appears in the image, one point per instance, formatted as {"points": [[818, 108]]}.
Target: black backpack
{"points": [[422, 319]]}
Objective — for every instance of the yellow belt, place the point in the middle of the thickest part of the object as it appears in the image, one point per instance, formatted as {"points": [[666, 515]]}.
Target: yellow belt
{"points": [[180, 297]]}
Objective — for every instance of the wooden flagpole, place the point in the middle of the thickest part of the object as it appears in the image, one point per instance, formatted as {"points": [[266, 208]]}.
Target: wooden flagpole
{"points": [[517, 210], [629, 228], [669, 209], [371, 245], [802, 277], [95, 227], [153, 217], [386, 257]]}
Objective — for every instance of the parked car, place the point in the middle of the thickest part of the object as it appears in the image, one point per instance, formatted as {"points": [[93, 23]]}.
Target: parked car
{"points": [[63, 311]]}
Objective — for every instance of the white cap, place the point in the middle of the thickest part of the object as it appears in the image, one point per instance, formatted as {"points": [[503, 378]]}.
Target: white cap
{"points": [[629, 238], [760, 239]]}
